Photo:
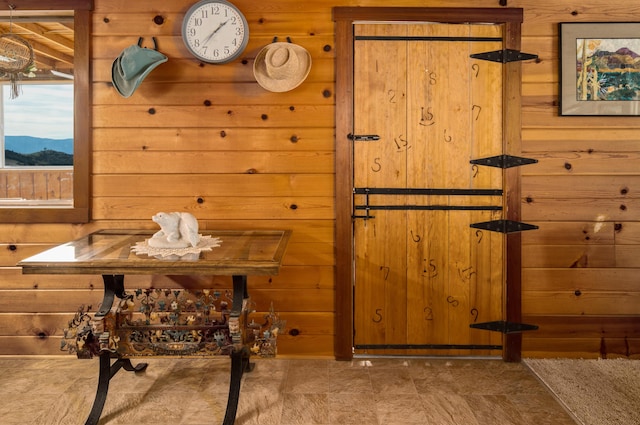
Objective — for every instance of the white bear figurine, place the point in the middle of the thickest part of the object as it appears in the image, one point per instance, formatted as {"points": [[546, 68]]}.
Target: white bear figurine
{"points": [[177, 230]]}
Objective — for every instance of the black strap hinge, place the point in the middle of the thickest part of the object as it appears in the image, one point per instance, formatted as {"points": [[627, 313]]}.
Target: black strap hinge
{"points": [[503, 161], [504, 56], [504, 327], [504, 226]]}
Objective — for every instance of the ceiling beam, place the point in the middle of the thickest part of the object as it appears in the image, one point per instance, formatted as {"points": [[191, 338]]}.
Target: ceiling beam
{"points": [[50, 34], [50, 50], [33, 33]]}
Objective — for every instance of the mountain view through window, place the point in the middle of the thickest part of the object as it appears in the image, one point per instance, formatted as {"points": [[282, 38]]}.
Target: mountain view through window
{"points": [[38, 126]]}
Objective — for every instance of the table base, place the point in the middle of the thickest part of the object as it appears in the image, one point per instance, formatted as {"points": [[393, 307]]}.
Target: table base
{"points": [[169, 323]]}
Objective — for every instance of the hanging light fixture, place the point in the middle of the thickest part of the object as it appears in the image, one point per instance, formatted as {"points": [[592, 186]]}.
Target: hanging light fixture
{"points": [[16, 57]]}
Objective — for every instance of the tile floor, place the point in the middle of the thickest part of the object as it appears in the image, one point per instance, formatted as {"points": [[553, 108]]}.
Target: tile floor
{"points": [[376, 391]]}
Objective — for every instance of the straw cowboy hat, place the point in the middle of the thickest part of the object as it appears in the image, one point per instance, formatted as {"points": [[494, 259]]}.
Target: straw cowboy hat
{"points": [[281, 67], [132, 66]]}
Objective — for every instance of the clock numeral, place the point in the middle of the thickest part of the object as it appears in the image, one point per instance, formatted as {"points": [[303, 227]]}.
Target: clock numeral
{"points": [[215, 10], [197, 22]]}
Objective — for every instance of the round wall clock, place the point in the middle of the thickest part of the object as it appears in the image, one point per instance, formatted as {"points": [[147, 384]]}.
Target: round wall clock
{"points": [[215, 31]]}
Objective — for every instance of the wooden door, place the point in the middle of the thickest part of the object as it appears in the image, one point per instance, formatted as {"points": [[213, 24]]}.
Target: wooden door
{"points": [[423, 108]]}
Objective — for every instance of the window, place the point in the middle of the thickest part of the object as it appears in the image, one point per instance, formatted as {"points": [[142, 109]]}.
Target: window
{"points": [[37, 126], [51, 190], [36, 133]]}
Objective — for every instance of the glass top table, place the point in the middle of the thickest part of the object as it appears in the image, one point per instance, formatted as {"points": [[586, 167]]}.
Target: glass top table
{"points": [[241, 252], [110, 253]]}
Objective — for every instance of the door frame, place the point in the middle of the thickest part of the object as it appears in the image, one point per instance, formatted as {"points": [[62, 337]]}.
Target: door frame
{"points": [[344, 18]]}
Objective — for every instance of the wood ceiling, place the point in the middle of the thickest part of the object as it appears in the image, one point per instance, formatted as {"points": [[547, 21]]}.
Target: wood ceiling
{"points": [[51, 37]]}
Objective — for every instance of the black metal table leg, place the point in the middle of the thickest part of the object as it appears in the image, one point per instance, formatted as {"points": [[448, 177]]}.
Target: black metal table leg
{"points": [[107, 371], [113, 286], [239, 357], [239, 361], [240, 292], [103, 388], [126, 365]]}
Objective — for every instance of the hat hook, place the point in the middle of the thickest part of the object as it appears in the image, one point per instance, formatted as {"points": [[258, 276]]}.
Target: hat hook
{"points": [[275, 39], [155, 42]]}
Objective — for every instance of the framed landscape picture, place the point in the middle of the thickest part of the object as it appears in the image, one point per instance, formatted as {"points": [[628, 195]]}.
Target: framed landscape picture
{"points": [[600, 68]]}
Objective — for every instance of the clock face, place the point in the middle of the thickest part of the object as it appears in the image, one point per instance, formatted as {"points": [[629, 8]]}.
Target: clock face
{"points": [[215, 31]]}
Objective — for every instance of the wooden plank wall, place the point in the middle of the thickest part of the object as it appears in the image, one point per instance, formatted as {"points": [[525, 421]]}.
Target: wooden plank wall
{"points": [[209, 140], [580, 269]]}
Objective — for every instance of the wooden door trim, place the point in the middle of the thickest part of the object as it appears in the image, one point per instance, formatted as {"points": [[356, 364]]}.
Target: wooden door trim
{"points": [[344, 18], [512, 97]]}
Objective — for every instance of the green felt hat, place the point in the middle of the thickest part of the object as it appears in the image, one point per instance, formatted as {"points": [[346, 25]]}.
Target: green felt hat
{"points": [[132, 66]]}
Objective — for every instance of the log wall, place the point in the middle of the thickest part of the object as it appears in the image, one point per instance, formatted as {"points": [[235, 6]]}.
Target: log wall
{"points": [[209, 140]]}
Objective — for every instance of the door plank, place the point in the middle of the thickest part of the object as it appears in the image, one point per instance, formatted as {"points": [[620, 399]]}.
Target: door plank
{"points": [[380, 287]]}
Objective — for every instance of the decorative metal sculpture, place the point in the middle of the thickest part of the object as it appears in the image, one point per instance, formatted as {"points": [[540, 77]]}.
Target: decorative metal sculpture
{"points": [[179, 322]]}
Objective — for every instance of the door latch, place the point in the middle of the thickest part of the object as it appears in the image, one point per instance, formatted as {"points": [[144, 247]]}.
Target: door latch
{"points": [[363, 137]]}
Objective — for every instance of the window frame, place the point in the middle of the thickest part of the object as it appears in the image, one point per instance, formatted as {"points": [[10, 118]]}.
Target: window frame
{"points": [[80, 211]]}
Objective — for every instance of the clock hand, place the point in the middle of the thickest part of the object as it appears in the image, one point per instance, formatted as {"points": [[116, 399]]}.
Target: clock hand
{"points": [[206, 40]]}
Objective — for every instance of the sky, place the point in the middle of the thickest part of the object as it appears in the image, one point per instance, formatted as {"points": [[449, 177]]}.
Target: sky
{"points": [[612, 44], [39, 111]]}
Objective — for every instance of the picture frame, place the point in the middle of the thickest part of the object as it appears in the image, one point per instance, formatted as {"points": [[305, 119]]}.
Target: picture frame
{"points": [[610, 83]]}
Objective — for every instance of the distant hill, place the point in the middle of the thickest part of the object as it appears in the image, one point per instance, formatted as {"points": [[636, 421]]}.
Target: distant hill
{"points": [[625, 51], [29, 145], [622, 59], [42, 158]]}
